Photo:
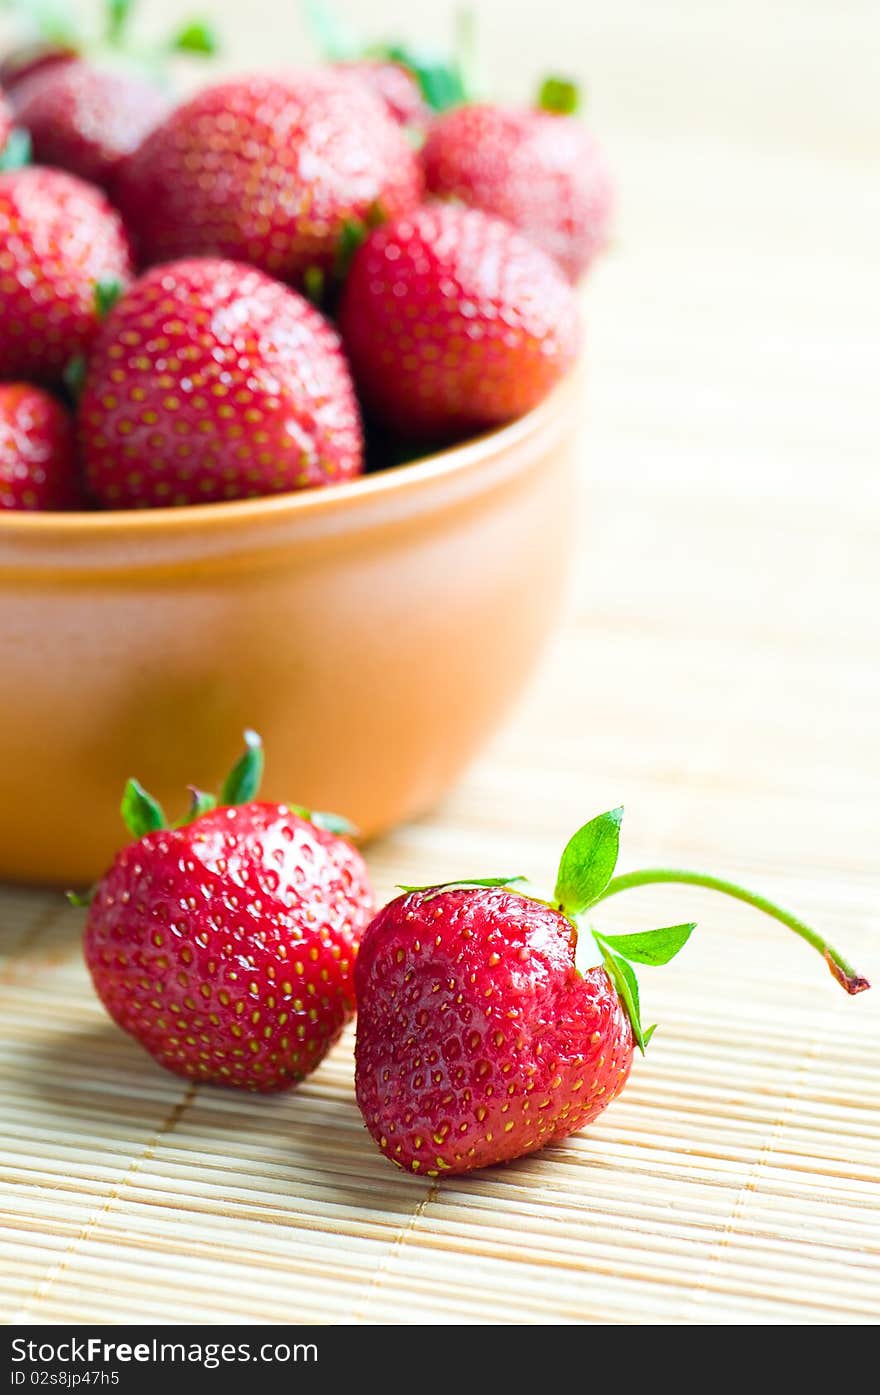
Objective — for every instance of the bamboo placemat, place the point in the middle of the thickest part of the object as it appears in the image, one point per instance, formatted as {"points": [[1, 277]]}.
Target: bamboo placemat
{"points": [[718, 673]]}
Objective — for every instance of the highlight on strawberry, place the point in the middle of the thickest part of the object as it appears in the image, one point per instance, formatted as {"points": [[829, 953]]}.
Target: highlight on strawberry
{"points": [[480, 1040], [225, 942]]}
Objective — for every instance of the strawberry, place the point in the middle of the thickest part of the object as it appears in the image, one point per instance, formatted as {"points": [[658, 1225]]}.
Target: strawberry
{"points": [[58, 238], [87, 119], [478, 1039], [454, 322], [396, 86], [413, 83], [226, 946], [211, 381], [27, 60], [541, 170], [5, 122], [37, 451], [268, 171]]}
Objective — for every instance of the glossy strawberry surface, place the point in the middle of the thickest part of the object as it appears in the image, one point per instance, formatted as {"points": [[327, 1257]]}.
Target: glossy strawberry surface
{"points": [[542, 172], [454, 322], [227, 947], [269, 170], [38, 468], [87, 120], [58, 237], [478, 1040], [211, 381]]}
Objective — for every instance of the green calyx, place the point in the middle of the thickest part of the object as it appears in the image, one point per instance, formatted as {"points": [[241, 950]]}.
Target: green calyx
{"points": [[243, 781], [324, 818], [559, 96], [143, 814], [74, 376], [17, 151], [107, 292], [444, 81], [352, 235], [586, 878], [52, 22], [471, 884], [197, 37]]}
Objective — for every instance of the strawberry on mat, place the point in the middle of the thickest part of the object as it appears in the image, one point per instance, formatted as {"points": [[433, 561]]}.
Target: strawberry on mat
{"points": [[226, 945], [479, 1039]]}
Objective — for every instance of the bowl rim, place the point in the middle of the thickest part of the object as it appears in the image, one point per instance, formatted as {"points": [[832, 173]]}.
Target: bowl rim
{"points": [[99, 524]]}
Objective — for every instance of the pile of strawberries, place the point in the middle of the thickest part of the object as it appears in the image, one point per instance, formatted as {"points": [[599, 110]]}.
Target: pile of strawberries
{"points": [[216, 300]]}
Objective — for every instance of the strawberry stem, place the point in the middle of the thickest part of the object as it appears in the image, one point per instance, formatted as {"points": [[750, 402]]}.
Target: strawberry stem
{"points": [[840, 968], [559, 96]]}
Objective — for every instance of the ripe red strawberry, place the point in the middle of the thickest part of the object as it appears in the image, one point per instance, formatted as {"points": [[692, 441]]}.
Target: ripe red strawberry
{"points": [[37, 451], [396, 86], [478, 1039], [454, 322], [541, 170], [58, 238], [27, 60], [226, 947], [268, 171], [86, 119], [5, 122], [211, 381]]}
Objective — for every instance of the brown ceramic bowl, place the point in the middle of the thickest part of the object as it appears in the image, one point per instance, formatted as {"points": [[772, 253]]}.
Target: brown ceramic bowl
{"points": [[374, 633]]}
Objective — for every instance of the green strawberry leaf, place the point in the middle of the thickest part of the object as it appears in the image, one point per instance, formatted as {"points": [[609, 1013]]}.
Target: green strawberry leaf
{"points": [[314, 284], [651, 946], [470, 884], [82, 898], [17, 151], [107, 292], [243, 781], [351, 235], [141, 813], [196, 37], [330, 822], [624, 979], [588, 863], [74, 376], [559, 95], [441, 82], [116, 16], [200, 803]]}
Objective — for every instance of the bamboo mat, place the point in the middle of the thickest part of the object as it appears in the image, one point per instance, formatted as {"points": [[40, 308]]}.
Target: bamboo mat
{"points": [[717, 671]]}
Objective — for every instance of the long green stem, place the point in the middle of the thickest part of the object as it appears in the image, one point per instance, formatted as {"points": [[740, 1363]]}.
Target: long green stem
{"points": [[843, 971]]}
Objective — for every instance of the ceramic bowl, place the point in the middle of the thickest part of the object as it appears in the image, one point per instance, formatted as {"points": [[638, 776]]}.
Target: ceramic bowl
{"points": [[375, 634]]}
